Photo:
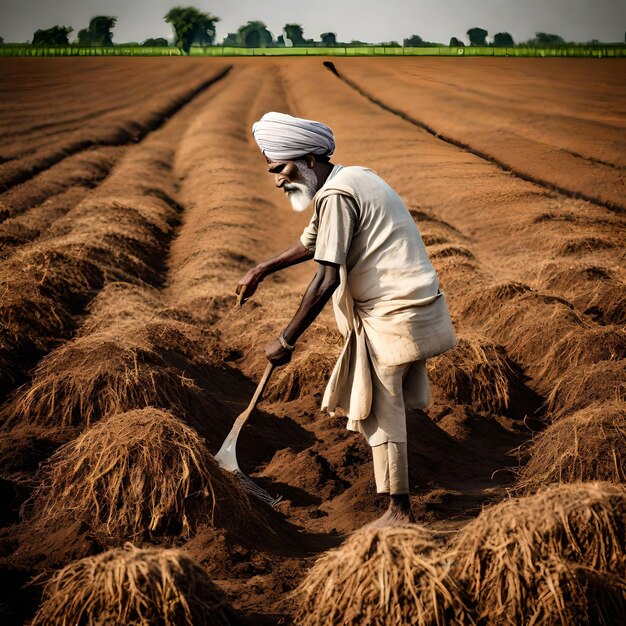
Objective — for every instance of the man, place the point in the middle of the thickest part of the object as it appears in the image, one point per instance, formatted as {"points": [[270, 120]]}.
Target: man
{"points": [[386, 297]]}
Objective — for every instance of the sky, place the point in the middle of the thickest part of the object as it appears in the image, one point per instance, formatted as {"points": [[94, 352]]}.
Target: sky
{"points": [[366, 20]]}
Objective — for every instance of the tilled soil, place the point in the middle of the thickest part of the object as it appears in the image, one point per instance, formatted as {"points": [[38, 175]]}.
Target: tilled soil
{"points": [[156, 201]]}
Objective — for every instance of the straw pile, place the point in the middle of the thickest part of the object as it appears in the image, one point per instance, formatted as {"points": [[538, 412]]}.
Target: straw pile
{"points": [[133, 358], [42, 290], [588, 445], [476, 372], [591, 288], [504, 556], [581, 387], [134, 587], [568, 594], [583, 346], [140, 473], [540, 321], [384, 576]]}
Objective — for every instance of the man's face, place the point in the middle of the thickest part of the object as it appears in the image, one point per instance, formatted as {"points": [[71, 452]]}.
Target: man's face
{"points": [[297, 179]]}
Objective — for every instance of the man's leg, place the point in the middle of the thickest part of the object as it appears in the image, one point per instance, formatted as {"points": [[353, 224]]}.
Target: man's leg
{"points": [[391, 472], [380, 456]]}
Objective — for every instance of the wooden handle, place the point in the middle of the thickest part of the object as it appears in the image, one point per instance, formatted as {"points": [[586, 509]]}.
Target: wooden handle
{"points": [[261, 386]]}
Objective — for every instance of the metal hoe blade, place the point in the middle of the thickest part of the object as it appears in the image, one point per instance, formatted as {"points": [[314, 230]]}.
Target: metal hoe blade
{"points": [[227, 455]]}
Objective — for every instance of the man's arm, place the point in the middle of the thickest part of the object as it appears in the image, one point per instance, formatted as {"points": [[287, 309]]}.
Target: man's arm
{"points": [[297, 253], [318, 293]]}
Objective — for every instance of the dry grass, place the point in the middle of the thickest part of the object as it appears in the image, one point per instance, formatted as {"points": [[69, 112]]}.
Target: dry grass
{"points": [[588, 445], [309, 369], [45, 284], [40, 291], [134, 587], [529, 324], [503, 554], [569, 594], [140, 473], [587, 385], [582, 346], [584, 244], [443, 251], [128, 355], [591, 288], [476, 372], [386, 576]]}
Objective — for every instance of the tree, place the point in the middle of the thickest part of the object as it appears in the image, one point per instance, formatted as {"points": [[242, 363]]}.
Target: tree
{"points": [[230, 40], [191, 27], [456, 43], [254, 34], [329, 39], [414, 41], [50, 37], [503, 40], [548, 39], [477, 36], [295, 34], [1, 40], [156, 42], [99, 32]]}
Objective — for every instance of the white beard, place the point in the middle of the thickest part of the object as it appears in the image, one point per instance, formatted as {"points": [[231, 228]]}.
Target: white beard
{"points": [[300, 195]]}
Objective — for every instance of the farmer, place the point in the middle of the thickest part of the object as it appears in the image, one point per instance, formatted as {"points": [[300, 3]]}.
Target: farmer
{"points": [[386, 298]]}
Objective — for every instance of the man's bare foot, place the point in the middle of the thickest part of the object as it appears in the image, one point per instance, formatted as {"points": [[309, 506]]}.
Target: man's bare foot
{"points": [[398, 514]]}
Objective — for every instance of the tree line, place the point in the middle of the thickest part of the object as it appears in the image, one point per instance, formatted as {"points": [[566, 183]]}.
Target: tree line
{"points": [[192, 27]]}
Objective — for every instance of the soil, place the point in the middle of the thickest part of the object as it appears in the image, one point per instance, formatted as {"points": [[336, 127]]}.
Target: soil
{"points": [[520, 205]]}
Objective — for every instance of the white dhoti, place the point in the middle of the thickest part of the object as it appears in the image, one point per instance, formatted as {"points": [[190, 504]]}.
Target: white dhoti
{"points": [[388, 308], [394, 389]]}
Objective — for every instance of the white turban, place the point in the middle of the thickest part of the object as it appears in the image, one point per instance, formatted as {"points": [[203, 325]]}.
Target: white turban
{"points": [[282, 137]]}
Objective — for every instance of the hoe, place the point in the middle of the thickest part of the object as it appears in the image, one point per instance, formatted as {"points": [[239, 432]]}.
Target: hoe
{"points": [[227, 455]]}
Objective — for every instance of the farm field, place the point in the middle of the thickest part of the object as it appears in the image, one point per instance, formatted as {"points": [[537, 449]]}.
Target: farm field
{"points": [[132, 200]]}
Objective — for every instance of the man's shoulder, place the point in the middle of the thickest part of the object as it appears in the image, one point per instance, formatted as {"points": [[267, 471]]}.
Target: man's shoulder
{"points": [[353, 171], [347, 181]]}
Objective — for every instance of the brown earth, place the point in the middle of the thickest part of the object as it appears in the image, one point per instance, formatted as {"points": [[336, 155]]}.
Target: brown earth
{"points": [[128, 220]]}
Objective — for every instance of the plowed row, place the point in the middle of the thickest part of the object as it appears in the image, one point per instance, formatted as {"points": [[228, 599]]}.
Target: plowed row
{"points": [[119, 263]]}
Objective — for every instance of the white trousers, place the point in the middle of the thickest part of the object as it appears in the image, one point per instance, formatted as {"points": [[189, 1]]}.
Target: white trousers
{"points": [[391, 468], [394, 389]]}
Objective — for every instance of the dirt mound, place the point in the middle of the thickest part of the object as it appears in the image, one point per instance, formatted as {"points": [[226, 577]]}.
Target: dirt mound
{"points": [[309, 369], [581, 245], [503, 554], [582, 347], [144, 361], [384, 576], [588, 385], [593, 289], [43, 289], [529, 324], [134, 586], [588, 445], [136, 474], [479, 373]]}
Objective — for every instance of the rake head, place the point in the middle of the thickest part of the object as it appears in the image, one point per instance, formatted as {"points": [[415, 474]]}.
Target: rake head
{"points": [[227, 459]]}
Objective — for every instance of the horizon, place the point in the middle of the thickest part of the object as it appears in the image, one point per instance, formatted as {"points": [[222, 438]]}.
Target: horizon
{"points": [[363, 20]]}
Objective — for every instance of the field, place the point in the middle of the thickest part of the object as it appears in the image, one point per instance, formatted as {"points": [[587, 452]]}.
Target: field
{"points": [[133, 199]]}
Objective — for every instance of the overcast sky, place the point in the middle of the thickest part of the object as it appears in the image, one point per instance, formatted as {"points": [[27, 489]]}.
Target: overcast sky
{"points": [[367, 20]]}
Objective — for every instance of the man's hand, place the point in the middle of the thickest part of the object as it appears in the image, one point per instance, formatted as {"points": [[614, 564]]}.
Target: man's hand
{"points": [[249, 283], [293, 255], [276, 354]]}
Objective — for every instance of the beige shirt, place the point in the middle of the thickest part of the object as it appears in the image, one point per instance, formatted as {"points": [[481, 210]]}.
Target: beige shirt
{"points": [[388, 306]]}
